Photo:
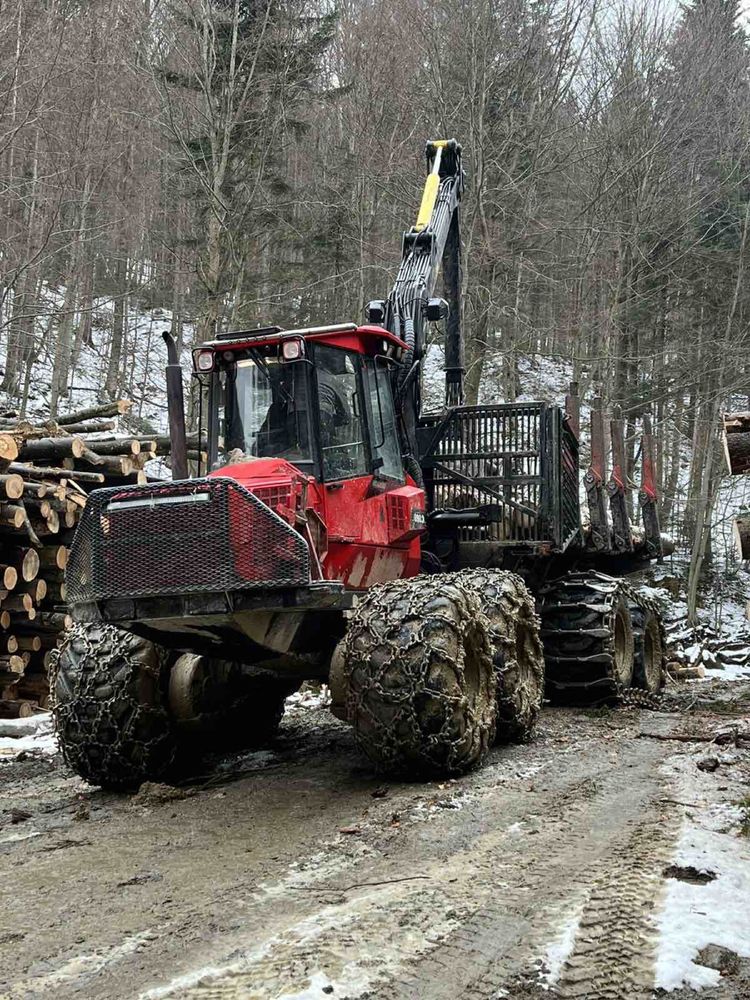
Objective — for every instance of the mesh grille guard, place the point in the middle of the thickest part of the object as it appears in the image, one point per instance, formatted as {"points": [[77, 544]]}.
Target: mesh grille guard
{"points": [[198, 536]]}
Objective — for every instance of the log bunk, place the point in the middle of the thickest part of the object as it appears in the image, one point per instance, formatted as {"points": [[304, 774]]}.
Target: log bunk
{"points": [[46, 472]]}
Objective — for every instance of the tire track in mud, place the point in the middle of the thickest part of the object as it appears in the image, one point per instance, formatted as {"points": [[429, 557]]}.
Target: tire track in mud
{"points": [[448, 890], [614, 948], [342, 945], [485, 913], [584, 859]]}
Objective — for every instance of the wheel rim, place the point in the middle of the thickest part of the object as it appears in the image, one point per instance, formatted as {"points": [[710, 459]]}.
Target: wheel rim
{"points": [[623, 649], [185, 676]]}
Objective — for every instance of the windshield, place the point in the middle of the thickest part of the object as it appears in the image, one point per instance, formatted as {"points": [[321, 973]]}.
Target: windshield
{"points": [[265, 411]]}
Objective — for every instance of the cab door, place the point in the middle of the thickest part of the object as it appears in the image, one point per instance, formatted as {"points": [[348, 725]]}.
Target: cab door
{"points": [[368, 504]]}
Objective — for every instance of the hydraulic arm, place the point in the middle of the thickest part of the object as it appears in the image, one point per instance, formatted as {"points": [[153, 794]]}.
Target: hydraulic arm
{"points": [[433, 242]]}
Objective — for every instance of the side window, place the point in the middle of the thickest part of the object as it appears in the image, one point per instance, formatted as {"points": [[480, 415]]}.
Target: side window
{"points": [[342, 439], [382, 419]]}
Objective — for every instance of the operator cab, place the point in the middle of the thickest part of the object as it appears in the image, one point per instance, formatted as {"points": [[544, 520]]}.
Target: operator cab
{"points": [[319, 398]]}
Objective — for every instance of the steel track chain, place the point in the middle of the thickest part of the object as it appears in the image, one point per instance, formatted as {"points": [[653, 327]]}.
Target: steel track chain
{"points": [[578, 614]]}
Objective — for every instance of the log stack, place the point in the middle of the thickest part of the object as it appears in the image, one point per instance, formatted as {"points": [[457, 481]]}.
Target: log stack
{"points": [[46, 472]]}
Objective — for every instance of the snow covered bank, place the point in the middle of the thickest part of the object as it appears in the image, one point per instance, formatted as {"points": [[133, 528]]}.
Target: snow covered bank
{"points": [[33, 735], [708, 880]]}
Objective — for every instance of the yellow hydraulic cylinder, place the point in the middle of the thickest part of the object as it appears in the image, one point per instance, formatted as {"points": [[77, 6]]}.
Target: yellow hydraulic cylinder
{"points": [[431, 188]]}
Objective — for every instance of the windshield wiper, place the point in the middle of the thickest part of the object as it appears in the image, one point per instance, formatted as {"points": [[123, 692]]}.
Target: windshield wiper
{"points": [[261, 362]]}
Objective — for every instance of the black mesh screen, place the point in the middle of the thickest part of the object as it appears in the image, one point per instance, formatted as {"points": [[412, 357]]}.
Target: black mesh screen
{"points": [[181, 538], [491, 455], [518, 461]]}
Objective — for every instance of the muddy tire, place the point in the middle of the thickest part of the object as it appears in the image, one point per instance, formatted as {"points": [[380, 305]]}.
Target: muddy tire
{"points": [[650, 648], [589, 646], [417, 668], [109, 705], [517, 649], [217, 706]]}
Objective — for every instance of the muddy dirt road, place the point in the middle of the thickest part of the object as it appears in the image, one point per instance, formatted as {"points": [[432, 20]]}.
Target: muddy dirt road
{"points": [[555, 870]]}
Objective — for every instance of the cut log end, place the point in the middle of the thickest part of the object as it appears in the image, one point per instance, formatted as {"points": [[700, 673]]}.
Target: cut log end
{"points": [[741, 531], [736, 442]]}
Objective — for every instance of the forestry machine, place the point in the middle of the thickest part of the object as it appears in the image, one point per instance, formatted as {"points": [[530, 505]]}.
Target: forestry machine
{"points": [[431, 568]]}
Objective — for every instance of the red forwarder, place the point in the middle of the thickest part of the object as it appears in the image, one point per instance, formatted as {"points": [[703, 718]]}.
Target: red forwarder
{"points": [[201, 603]]}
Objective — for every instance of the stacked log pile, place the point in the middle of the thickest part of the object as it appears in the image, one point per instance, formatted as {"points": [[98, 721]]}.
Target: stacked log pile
{"points": [[46, 472]]}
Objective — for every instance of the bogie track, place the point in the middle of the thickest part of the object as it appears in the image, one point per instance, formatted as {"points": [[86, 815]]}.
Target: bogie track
{"points": [[601, 638]]}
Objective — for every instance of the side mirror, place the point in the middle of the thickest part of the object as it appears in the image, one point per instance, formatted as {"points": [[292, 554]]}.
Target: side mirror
{"points": [[436, 310], [375, 312]]}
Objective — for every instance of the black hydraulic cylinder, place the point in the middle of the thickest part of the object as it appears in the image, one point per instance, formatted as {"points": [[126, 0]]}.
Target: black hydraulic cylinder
{"points": [[454, 345], [176, 410]]}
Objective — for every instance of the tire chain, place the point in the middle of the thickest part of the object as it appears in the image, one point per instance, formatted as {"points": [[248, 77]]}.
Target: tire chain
{"points": [[519, 672], [411, 653], [108, 704], [642, 604], [597, 610]]}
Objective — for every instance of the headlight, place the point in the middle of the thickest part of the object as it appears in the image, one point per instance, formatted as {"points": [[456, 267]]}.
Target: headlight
{"points": [[203, 361], [291, 350]]}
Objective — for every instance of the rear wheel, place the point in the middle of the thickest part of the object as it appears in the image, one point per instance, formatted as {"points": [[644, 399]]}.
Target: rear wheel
{"points": [[416, 668], [109, 704], [588, 638], [649, 674]]}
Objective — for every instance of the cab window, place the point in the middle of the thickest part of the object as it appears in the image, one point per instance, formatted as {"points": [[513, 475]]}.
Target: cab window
{"points": [[342, 432], [381, 415]]}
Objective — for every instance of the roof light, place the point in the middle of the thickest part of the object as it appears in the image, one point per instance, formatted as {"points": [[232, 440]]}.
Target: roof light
{"points": [[203, 360], [291, 350]]}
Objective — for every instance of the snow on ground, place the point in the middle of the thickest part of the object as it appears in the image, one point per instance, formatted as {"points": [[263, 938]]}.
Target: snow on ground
{"points": [[310, 696], [694, 915], [32, 735], [560, 948]]}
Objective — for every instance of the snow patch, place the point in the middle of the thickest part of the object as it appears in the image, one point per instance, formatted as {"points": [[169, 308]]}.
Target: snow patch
{"points": [[41, 723], [693, 916], [561, 947], [310, 697], [43, 742], [88, 965]]}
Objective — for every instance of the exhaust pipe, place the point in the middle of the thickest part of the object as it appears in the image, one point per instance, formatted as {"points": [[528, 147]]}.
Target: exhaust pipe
{"points": [[176, 409]]}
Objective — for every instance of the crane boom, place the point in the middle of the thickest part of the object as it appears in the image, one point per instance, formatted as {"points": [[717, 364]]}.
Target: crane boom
{"points": [[433, 241]]}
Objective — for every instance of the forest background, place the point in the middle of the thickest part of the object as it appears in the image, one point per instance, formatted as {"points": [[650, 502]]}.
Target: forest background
{"points": [[240, 162]]}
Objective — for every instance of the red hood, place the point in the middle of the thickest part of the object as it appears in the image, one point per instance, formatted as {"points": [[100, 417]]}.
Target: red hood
{"points": [[260, 470]]}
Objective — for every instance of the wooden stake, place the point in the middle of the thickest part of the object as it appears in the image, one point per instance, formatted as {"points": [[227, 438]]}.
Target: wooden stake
{"points": [[53, 557], [11, 515], [19, 602], [45, 472], [16, 709]]}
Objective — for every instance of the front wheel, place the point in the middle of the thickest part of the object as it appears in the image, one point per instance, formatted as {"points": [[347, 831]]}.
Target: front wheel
{"points": [[223, 705], [109, 705], [418, 675], [517, 649]]}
